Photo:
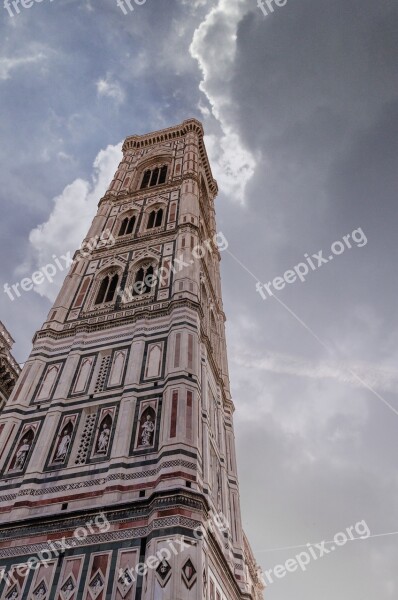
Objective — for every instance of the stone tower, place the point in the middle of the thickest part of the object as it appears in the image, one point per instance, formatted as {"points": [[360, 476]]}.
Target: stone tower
{"points": [[118, 471], [9, 368]]}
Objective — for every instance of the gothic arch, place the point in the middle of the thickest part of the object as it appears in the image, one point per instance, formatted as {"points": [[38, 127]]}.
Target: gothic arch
{"points": [[106, 286], [154, 361], [150, 162], [49, 381], [144, 262], [126, 223], [154, 215]]}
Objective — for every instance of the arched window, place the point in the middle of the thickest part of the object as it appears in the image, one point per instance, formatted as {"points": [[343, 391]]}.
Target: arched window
{"points": [[127, 226], [162, 175], [143, 280], [155, 218], [130, 226], [106, 292], [146, 179], [123, 226], [155, 176]]}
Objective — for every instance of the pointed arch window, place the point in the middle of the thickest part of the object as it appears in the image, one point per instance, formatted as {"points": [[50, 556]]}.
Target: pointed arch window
{"points": [[155, 218], [143, 279], [107, 290], [127, 226], [155, 176], [146, 179]]}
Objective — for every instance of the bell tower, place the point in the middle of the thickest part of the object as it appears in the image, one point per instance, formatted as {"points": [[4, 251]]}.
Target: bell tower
{"points": [[117, 455]]}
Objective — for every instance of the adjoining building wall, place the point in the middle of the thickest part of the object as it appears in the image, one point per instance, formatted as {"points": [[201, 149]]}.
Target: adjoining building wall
{"points": [[9, 368]]}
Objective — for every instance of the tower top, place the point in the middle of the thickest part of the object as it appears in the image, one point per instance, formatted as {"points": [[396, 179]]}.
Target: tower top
{"points": [[153, 138]]}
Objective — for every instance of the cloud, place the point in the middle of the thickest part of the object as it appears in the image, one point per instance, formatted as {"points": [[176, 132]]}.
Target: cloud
{"points": [[7, 65], [111, 89], [70, 218], [214, 47], [380, 378]]}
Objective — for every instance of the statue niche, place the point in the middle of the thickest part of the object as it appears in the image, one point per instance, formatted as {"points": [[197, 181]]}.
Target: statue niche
{"points": [[147, 428], [64, 441], [103, 436], [21, 454]]}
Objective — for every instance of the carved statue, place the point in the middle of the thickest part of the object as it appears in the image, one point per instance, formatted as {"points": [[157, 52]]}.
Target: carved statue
{"points": [[22, 454], [103, 440], [63, 447], [148, 428], [40, 594], [68, 589]]}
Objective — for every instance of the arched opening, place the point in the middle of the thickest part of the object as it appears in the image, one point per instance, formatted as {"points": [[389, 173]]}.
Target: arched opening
{"points": [[130, 226], [123, 227], [102, 290], [146, 178], [155, 176], [144, 280], [127, 226], [155, 218], [107, 289]]}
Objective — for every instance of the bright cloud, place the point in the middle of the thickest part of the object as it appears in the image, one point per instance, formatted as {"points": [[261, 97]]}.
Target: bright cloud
{"points": [[7, 65], [111, 89], [71, 216], [214, 47]]}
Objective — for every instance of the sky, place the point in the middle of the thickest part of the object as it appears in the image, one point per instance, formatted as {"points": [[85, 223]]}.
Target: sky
{"points": [[300, 110]]}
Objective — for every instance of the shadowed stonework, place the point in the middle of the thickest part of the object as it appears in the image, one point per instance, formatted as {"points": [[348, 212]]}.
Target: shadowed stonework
{"points": [[9, 369]]}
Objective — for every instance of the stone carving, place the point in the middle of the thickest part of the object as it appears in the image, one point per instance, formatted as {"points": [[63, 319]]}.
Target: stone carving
{"points": [[125, 582], [40, 592], [163, 572], [67, 589], [189, 574], [63, 447], [13, 595], [22, 454], [103, 440], [96, 586], [147, 431]]}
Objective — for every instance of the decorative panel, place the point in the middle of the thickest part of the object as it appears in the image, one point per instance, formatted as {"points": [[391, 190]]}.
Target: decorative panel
{"points": [[97, 577], [126, 582], [69, 580], [40, 588], [83, 375], [48, 381], [117, 370]]}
